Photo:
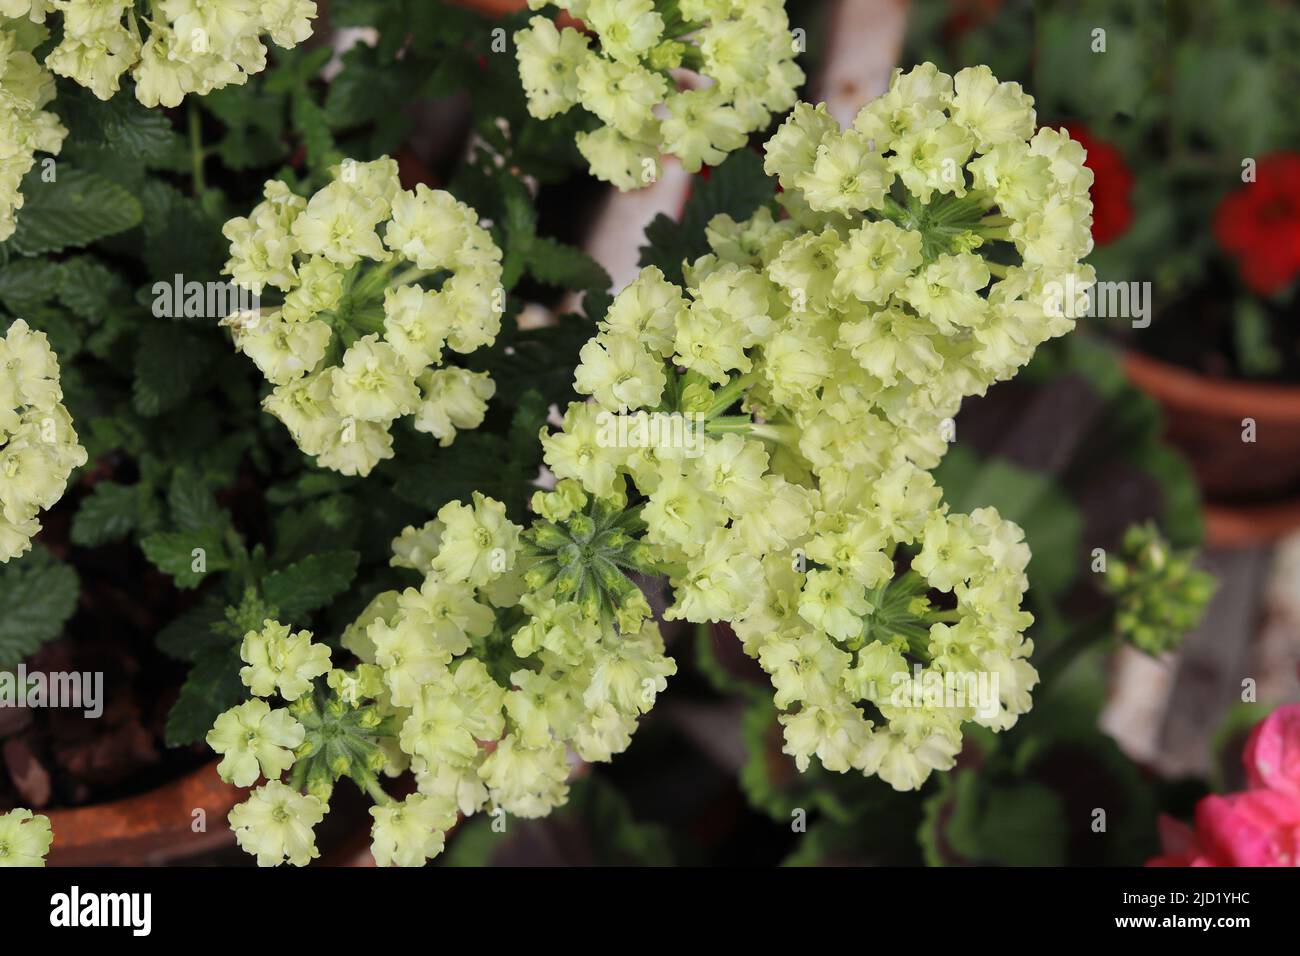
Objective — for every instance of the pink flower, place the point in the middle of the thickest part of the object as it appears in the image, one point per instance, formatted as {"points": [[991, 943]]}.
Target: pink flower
{"points": [[1257, 827], [1272, 753]]}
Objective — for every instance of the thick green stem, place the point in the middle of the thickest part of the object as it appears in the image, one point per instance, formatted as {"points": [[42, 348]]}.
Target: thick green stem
{"points": [[726, 396], [377, 794]]}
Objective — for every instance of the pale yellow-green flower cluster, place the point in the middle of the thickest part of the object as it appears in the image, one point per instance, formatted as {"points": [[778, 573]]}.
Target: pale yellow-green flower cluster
{"points": [[170, 47], [376, 281], [24, 838], [849, 332], [632, 80], [38, 445], [478, 682], [25, 126]]}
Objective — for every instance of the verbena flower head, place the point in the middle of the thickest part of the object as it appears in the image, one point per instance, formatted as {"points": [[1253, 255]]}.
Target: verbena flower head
{"points": [[482, 680], [25, 126], [171, 48], [24, 838], [378, 284], [917, 266], [632, 74], [38, 445]]}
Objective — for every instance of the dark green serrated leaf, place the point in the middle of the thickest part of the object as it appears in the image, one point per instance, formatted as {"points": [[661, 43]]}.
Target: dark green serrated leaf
{"points": [[213, 686], [556, 264], [195, 632], [180, 238], [38, 594], [192, 504], [169, 361], [120, 124], [27, 284], [86, 286], [76, 209], [520, 229], [174, 552], [311, 583], [110, 512], [313, 125]]}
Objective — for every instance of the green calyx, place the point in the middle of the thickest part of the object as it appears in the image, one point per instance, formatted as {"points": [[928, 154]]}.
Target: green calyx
{"points": [[341, 740], [902, 615], [360, 310], [948, 224], [587, 559]]}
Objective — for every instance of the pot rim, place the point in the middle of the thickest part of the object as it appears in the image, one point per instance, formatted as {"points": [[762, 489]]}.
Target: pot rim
{"points": [[1249, 526], [145, 821], [1210, 395]]}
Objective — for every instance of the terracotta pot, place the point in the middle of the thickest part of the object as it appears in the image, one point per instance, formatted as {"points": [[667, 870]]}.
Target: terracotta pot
{"points": [[149, 829], [1253, 487]]}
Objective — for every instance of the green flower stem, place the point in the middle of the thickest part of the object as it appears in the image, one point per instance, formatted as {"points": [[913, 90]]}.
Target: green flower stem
{"points": [[378, 794], [413, 274], [730, 424], [743, 425], [894, 211], [371, 282], [943, 617], [779, 434], [726, 396], [368, 319]]}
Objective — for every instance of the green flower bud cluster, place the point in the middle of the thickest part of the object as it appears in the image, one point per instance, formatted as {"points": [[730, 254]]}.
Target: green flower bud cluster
{"points": [[1159, 594], [586, 558]]}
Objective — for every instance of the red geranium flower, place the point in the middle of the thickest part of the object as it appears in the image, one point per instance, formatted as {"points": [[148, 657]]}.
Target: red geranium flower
{"points": [[1112, 186], [1259, 224], [1259, 826]]}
